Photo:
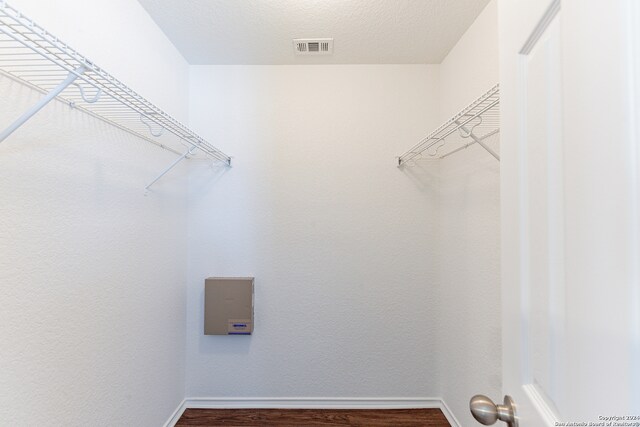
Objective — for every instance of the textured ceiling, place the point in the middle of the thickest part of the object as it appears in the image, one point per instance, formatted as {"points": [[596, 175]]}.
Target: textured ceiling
{"points": [[365, 31]]}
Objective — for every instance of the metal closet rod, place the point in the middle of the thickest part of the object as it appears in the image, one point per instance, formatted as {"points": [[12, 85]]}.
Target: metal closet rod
{"points": [[24, 45], [464, 123]]}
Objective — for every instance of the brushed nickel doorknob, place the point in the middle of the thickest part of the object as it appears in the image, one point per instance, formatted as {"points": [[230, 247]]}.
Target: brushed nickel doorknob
{"points": [[486, 412]]}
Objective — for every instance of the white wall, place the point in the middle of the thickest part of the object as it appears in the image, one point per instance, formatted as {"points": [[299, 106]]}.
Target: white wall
{"points": [[346, 249], [92, 273], [471, 67], [469, 338], [340, 241]]}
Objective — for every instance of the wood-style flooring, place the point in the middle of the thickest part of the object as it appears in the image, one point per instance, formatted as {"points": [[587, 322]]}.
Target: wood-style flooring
{"points": [[313, 417]]}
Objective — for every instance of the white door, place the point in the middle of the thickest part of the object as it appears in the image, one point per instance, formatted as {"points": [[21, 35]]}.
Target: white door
{"points": [[569, 150]]}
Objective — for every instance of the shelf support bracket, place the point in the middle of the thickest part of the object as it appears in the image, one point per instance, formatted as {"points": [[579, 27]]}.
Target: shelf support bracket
{"points": [[480, 142], [71, 77], [174, 164], [157, 134], [88, 100], [485, 146]]}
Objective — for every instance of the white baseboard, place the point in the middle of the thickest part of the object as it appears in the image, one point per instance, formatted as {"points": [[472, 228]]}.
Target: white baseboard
{"points": [[175, 416], [448, 414], [312, 403]]}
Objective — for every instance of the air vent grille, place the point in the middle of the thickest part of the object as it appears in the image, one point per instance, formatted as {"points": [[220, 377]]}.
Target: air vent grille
{"points": [[313, 46]]}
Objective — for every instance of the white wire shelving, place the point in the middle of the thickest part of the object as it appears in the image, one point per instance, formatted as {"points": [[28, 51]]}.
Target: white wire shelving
{"points": [[475, 124], [33, 56]]}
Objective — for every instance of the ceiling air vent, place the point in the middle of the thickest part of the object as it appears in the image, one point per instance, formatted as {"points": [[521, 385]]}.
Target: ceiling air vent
{"points": [[313, 46]]}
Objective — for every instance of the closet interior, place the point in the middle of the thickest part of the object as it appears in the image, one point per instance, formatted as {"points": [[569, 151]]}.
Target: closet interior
{"points": [[356, 301]]}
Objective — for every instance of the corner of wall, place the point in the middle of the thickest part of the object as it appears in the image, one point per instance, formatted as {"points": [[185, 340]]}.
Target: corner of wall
{"points": [[469, 230]]}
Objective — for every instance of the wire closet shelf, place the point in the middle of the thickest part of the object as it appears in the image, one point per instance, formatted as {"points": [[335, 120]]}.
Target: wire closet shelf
{"points": [[33, 56], [476, 123]]}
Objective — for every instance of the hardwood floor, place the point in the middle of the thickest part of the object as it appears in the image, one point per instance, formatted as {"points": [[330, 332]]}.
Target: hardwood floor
{"points": [[313, 417]]}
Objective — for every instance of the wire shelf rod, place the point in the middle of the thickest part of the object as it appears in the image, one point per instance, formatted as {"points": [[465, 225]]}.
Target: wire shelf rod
{"points": [[480, 142], [37, 58], [39, 105], [450, 131], [99, 117], [477, 121], [425, 145], [490, 134]]}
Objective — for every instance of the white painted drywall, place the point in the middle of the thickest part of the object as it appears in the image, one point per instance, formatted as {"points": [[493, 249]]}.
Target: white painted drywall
{"points": [[469, 339], [371, 281], [92, 273], [340, 241], [471, 67]]}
